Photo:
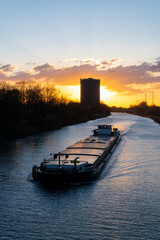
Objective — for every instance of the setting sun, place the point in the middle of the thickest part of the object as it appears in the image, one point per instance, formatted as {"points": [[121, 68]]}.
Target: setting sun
{"points": [[73, 92], [106, 95], [70, 91]]}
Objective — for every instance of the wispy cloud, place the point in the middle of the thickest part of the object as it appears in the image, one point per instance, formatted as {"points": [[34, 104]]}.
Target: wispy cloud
{"points": [[97, 62]]}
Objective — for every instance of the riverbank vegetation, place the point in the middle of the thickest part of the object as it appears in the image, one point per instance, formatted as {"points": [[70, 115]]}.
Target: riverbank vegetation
{"points": [[141, 109], [32, 108]]}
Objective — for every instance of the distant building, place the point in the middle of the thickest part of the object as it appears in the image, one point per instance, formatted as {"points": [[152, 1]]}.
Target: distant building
{"points": [[90, 91]]}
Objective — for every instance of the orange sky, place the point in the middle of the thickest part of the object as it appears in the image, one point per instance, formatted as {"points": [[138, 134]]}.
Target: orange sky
{"points": [[121, 85], [112, 98]]}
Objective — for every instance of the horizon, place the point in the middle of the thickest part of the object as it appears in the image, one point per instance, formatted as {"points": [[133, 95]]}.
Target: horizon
{"points": [[61, 42]]}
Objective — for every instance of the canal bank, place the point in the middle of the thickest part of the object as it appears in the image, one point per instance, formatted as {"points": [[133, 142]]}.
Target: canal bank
{"points": [[10, 130]]}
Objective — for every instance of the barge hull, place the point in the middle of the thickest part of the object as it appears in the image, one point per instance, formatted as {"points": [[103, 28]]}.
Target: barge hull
{"points": [[92, 173]]}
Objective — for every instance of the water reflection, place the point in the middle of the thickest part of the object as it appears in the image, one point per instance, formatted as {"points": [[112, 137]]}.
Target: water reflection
{"points": [[122, 204]]}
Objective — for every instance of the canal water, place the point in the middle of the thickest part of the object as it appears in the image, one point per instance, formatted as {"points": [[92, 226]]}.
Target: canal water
{"points": [[124, 203]]}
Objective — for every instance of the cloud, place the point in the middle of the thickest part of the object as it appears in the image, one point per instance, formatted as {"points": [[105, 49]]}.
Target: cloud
{"points": [[31, 63], [88, 60], [109, 63], [7, 68], [122, 79], [70, 60], [82, 61], [155, 67], [44, 68], [92, 61]]}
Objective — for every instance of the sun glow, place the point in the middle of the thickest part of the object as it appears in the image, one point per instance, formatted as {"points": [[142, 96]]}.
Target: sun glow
{"points": [[73, 92], [105, 95], [70, 91]]}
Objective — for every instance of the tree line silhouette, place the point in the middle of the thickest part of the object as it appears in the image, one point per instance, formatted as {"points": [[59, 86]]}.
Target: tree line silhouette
{"points": [[32, 108], [142, 109]]}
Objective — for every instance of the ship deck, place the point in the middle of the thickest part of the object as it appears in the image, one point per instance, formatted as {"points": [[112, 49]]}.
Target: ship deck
{"points": [[87, 150]]}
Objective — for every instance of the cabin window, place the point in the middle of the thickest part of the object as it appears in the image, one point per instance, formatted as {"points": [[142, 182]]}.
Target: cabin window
{"points": [[104, 127]]}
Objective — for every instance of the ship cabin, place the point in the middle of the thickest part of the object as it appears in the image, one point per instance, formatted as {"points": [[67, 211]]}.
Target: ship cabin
{"points": [[103, 130]]}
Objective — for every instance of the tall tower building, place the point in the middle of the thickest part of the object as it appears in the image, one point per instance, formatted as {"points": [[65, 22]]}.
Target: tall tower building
{"points": [[90, 91]]}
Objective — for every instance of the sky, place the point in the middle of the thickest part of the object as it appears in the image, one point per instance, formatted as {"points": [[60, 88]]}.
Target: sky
{"points": [[61, 41]]}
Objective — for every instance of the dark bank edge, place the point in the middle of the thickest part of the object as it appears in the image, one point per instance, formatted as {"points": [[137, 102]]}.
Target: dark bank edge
{"points": [[26, 128]]}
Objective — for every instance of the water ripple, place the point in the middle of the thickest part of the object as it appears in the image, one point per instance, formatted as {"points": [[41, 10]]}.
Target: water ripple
{"points": [[122, 204]]}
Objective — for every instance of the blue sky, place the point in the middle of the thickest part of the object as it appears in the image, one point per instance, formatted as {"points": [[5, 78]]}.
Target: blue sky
{"points": [[62, 41], [54, 30]]}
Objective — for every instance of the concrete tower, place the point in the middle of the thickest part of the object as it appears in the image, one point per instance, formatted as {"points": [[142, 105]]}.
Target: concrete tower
{"points": [[90, 91]]}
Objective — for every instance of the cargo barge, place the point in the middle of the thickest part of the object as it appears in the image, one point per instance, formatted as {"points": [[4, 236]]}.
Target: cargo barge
{"points": [[83, 161]]}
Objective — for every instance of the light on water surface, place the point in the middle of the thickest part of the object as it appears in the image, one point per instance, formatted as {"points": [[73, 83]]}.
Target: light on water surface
{"points": [[122, 204]]}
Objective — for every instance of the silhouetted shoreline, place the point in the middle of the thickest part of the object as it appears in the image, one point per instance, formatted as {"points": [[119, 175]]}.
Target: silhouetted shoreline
{"points": [[10, 131], [30, 109], [142, 110]]}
